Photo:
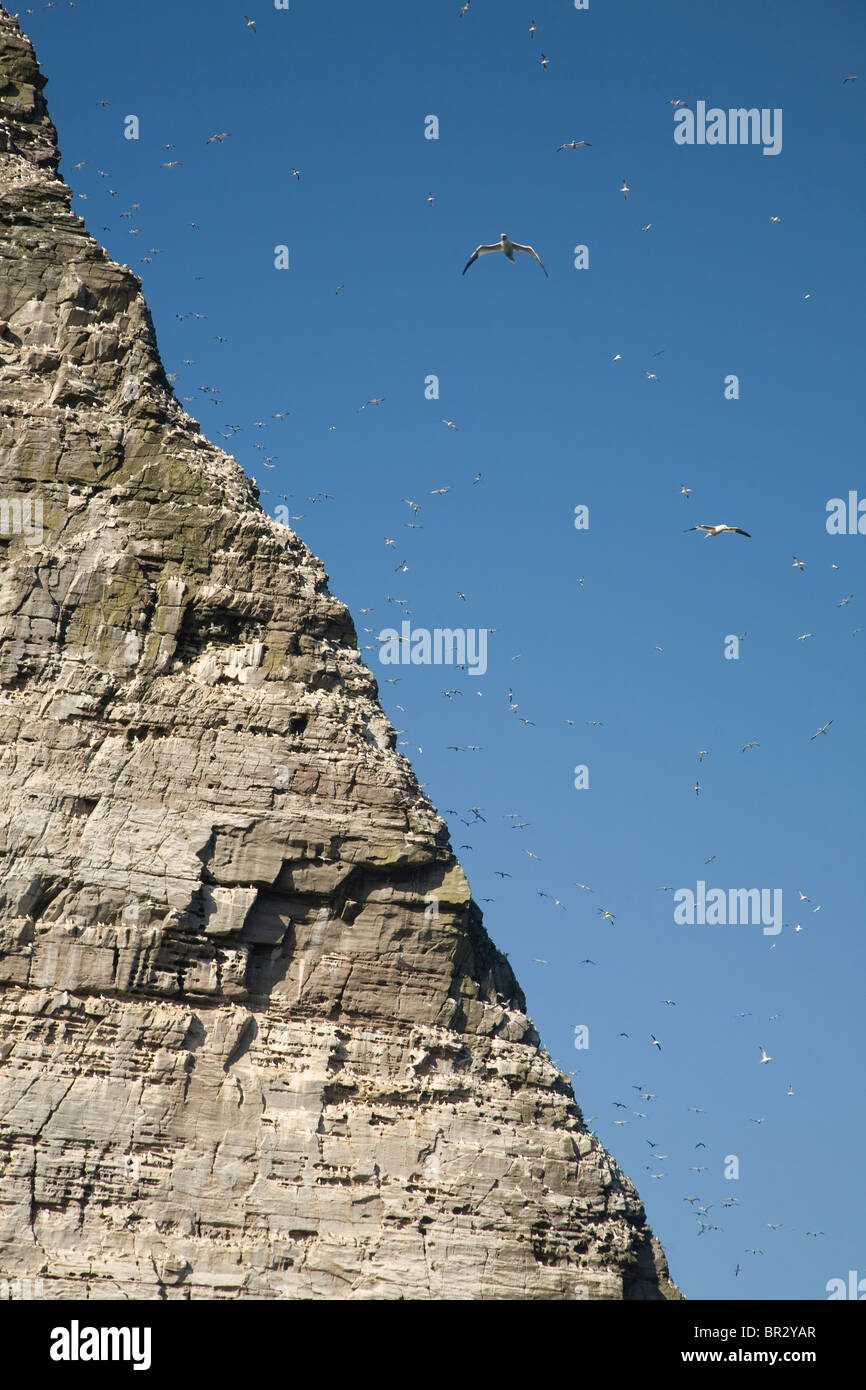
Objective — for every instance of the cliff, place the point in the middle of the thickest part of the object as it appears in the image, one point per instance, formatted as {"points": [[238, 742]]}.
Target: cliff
{"points": [[254, 1039]]}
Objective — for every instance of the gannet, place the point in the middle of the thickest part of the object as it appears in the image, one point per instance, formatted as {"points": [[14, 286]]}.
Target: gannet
{"points": [[508, 247], [718, 530]]}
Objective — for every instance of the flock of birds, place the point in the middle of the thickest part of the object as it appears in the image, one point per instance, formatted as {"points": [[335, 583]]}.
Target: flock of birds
{"points": [[412, 522]]}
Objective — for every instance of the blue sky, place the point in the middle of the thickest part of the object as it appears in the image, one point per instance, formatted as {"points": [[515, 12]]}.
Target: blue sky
{"points": [[550, 420]]}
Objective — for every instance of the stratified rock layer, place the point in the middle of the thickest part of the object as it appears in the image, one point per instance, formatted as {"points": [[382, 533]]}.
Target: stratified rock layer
{"points": [[254, 1039]]}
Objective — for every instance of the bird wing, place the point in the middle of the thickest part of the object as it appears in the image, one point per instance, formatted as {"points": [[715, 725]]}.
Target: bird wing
{"points": [[740, 532], [481, 251], [518, 247], [699, 528]]}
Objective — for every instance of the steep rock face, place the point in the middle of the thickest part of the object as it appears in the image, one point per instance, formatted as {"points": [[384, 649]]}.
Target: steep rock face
{"points": [[254, 1039]]}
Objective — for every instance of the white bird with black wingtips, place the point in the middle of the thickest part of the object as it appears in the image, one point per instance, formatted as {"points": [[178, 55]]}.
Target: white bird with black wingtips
{"points": [[719, 530], [507, 247]]}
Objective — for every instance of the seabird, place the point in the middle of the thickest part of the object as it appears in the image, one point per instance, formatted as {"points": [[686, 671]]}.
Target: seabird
{"points": [[823, 729], [764, 1055], [625, 190], [718, 530], [508, 247], [575, 145]]}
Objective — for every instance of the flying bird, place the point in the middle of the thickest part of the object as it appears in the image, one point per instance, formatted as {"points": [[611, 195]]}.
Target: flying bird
{"points": [[575, 145], [798, 564], [508, 247], [823, 729], [625, 190], [764, 1055], [718, 530], [544, 62], [251, 23]]}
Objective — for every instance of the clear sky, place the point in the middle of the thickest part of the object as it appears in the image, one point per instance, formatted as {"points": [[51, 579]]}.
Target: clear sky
{"points": [[623, 622]]}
